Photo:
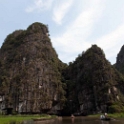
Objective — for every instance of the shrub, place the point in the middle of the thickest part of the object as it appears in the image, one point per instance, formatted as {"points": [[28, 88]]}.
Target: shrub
{"points": [[115, 109]]}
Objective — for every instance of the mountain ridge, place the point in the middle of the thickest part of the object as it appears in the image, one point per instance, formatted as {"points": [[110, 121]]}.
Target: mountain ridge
{"points": [[33, 79]]}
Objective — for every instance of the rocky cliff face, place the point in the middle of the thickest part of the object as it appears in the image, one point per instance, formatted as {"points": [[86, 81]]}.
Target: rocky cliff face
{"points": [[94, 85], [33, 79], [30, 71], [120, 60]]}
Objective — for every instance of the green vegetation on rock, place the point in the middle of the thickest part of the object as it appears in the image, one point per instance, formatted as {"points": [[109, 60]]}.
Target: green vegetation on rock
{"points": [[34, 80], [30, 72], [94, 84]]}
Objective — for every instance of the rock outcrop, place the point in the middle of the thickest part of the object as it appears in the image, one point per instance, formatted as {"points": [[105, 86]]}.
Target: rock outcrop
{"points": [[93, 84], [34, 80], [120, 60], [30, 72]]}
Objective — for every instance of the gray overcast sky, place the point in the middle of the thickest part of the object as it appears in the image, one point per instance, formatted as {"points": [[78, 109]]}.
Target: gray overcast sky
{"points": [[74, 25]]}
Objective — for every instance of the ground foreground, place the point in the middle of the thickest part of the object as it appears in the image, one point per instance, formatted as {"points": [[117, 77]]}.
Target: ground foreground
{"points": [[11, 119]]}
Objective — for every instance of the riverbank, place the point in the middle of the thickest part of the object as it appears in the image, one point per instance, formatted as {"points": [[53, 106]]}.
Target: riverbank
{"points": [[114, 115], [17, 119]]}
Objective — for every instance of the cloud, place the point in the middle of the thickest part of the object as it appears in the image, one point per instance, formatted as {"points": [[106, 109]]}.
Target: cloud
{"points": [[61, 10], [112, 42], [39, 5], [74, 40]]}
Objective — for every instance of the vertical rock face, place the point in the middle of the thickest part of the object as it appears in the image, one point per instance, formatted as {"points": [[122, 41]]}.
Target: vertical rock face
{"points": [[32, 77], [120, 60], [30, 71], [94, 85]]}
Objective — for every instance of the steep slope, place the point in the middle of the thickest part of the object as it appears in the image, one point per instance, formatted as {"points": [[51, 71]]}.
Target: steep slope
{"points": [[30, 72], [94, 85], [120, 60]]}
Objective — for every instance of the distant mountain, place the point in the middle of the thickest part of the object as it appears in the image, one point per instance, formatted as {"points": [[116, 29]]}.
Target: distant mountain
{"points": [[94, 85], [30, 72], [120, 60]]}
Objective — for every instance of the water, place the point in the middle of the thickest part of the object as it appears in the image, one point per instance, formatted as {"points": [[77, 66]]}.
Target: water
{"points": [[80, 120]]}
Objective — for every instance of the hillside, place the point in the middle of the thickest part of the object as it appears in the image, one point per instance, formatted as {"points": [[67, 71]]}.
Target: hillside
{"points": [[34, 80], [94, 85], [30, 72]]}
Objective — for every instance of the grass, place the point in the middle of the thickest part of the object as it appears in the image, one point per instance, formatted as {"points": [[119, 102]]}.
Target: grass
{"points": [[94, 115], [117, 115], [114, 115], [17, 119]]}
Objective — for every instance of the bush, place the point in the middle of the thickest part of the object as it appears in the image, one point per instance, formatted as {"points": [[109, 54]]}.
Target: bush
{"points": [[115, 109]]}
